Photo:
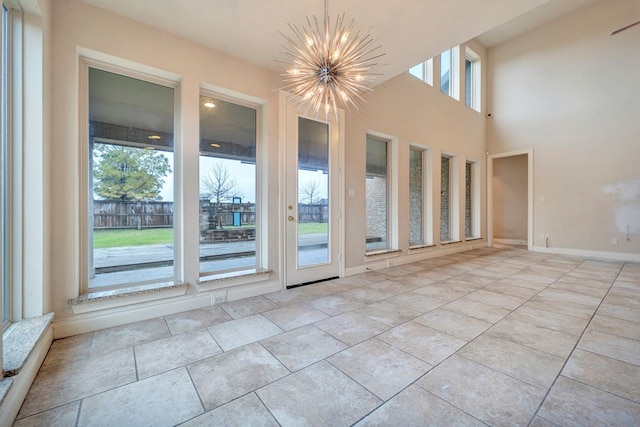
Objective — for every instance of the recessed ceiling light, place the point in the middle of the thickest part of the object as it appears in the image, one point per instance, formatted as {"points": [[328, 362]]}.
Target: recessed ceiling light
{"points": [[209, 104], [154, 137], [215, 145]]}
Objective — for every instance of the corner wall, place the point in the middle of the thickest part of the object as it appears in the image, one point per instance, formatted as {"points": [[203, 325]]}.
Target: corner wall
{"points": [[570, 91]]}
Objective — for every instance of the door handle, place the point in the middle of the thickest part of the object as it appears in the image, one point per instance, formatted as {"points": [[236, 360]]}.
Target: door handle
{"points": [[291, 218]]}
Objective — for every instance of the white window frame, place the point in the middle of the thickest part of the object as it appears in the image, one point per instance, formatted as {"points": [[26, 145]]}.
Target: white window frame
{"points": [[147, 74], [454, 73], [454, 198], [476, 79], [261, 253], [476, 231], [423, 71], [8, 173], [427, 196], [392, 191]]}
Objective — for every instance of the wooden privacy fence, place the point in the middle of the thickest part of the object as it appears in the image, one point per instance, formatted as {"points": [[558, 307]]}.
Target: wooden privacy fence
{"points": [[114, 214], [131, 214]]}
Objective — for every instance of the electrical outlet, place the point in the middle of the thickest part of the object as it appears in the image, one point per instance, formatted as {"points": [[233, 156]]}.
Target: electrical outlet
{"points": [[219, 299], [542, 236], [614, 241]]}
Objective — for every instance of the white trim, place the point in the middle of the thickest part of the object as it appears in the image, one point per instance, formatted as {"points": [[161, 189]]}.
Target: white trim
{"points": [[490, 159], [252, 291], [586, 253], [416, 256], [89, 322], [89, 305], [519, 242], [22, 382]]}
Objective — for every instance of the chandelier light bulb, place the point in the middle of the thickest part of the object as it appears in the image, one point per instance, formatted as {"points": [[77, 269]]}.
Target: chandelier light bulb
{"points": [[328, 65]]}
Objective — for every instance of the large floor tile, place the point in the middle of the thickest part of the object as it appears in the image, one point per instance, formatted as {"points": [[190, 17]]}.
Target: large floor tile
{"points": [[422, 342], [195, 319], [244, 411], [323, 396], [112, 339], [237, 333], [619, 312], [614, 376], [164, 400], [352, 328], [570, 297], [172, 352], [440, 293], [417, 407], [488, 395], [302, 347], [458, 325], [623, 349], [248, 307], [624, 297], [613, 326], [524, 363], [551, 320], [365, 295], [227, 376], [381, 368], [530, 335], [571, 403], [294, 316], [511, 290], [64, 383], [62, 416], [561, 306], [499, 300], [334, 304], [388, 313], [68, 350], [479, 310]]}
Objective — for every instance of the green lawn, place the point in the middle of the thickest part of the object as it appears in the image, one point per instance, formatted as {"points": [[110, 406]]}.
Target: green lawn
{"points": [[156, 236]]}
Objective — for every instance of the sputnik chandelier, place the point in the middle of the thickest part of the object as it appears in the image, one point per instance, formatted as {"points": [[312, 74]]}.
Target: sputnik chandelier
{"points": [[328, 65]]}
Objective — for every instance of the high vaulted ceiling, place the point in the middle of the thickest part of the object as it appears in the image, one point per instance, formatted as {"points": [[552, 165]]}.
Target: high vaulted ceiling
{"points": [[410, 31]]}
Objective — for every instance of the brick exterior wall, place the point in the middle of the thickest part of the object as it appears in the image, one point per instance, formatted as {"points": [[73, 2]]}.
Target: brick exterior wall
{"points": [[377, 207], [445, 228], [415, 198]]}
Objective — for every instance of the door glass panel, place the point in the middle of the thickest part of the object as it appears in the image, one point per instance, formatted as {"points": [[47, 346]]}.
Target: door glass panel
{"points": [[313, 192]]}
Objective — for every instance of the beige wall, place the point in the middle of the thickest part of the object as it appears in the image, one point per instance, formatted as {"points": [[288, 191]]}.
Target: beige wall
{"points": [[570, 91], [403, 108], [77, 26], [509, 185]]}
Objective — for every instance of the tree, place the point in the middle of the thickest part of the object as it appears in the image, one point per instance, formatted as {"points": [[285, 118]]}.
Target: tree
{"points": [[128, 173], [310, 192], [218, 186]]}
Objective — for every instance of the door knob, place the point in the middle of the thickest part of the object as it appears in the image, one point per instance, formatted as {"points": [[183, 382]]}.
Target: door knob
{"points": [[291, 218]]}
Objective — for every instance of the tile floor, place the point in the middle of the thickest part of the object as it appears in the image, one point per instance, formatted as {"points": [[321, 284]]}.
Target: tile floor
{"points": [[490, 336]]}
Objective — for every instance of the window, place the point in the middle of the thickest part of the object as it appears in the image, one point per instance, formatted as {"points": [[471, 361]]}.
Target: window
{"points": [[472, 200], [131, 189], [448, 72], [377, 189], [472, 79], [419, 197], [423, 71], [228, 214], [5, 168], [448, 199]]}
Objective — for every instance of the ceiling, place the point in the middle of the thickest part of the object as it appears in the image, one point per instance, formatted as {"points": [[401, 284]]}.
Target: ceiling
{"points": [[409, 31]]}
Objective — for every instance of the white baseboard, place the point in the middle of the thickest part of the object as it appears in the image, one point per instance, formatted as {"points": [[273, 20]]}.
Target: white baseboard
{"points": [[518, 242], [253, 291], [417, 256], [93, 321], [584, 253], [22, 382]]}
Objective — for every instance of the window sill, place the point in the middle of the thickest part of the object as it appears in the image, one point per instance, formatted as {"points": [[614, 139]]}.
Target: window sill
{"points": [[382, 253], [471, 239], [19, 340], [101, 300], [420, 248], [224, 280], [450, 242]]}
